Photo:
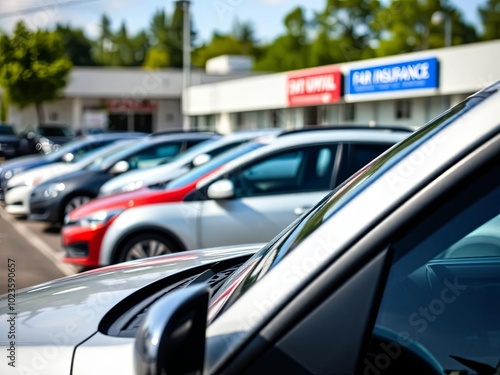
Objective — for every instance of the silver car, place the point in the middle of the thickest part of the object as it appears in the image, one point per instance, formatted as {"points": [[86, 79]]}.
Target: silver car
{"points": [[181, 164], [396, 271], [264, 190]]}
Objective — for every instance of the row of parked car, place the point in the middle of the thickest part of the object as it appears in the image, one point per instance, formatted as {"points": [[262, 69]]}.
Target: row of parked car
{"points": [[381, 256], [129, 196]]}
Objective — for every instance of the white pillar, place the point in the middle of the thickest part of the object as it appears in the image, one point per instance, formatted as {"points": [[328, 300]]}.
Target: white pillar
{"points": [[76, 113], [223, 123]]}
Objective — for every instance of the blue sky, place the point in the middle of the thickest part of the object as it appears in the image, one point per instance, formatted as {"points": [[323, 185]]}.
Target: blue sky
{"points": [[208, 15]]}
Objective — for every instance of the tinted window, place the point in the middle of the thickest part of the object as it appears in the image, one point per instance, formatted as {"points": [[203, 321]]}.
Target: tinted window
{"points": [[441, 300], [198, 172], [6, 130], [356, 156], [55, 131], [154, 155], [297, 170]]}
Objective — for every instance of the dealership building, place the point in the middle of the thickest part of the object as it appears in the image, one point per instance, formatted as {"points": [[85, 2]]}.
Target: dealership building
{"points": [[407, 89]]}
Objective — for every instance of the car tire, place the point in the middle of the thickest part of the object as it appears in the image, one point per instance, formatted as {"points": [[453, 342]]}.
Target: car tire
{"points": [[73, 203], [144, 246]]}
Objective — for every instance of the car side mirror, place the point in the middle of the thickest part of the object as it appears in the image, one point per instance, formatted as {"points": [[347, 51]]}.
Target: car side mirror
{"points": [[221, 189], [171, 338], [120, 167], [68, 157], [201, 159]]}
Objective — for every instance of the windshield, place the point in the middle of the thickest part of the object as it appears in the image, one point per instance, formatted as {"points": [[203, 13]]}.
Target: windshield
{"points": [[111, 159], [72, 146], [95, 157], [269, 256], [6, 130], [188, 155], [217, 162], [55, 131]]}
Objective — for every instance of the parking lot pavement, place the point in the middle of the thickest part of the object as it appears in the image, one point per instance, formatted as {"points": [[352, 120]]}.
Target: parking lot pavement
{"points": [[35, 250]]}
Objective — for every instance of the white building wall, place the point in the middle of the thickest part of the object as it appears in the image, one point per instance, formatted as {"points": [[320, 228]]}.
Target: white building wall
{"points": [[241, 95], [168, 115]]}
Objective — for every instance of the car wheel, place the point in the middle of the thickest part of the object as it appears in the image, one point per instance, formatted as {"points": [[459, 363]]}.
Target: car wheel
{"points": [[145, 246], [74, 203]]}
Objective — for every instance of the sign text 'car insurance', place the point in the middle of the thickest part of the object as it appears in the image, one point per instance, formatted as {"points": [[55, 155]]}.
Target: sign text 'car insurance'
{"points": [[409, 75], [314, 86]]}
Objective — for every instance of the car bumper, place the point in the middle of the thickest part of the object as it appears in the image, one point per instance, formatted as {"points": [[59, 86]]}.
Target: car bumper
{"points": [[44, 210], [82, 245], [17, 200]]}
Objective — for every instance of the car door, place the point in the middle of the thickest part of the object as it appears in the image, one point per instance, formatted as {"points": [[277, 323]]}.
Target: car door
{"points": [[416, 295], [269, 194]]}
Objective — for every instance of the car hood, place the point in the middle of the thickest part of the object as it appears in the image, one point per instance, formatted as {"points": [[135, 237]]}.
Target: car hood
{"points": [[121, 200], [41, 174], [148, 177], [82, 300], [22, 161], [72, 176]]}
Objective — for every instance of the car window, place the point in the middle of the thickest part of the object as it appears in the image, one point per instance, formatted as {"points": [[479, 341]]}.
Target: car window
{"points": [[217, 162], [7, 130], [441, 300], [297, 170], [55, 131], [356, 156], [154, 155]]}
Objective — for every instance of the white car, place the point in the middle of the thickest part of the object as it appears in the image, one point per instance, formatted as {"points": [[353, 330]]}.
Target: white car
{"points": [[20, 186], [182, 164]]}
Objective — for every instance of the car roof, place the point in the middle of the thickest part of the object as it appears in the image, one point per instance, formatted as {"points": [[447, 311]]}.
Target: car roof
{"points": [[311, 138], [179, 136]]}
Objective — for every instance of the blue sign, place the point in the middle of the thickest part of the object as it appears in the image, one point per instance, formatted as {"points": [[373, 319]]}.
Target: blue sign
{"points": [[409, 75]]}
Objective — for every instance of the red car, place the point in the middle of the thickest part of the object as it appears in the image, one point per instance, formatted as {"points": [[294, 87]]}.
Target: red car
{"points": [[85, 227]]}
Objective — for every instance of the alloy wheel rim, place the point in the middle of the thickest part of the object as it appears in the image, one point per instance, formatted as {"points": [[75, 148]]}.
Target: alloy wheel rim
{"points": [[146, 249], [74, 203]]}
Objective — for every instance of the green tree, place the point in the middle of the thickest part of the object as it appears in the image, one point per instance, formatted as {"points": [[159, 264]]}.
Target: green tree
{"points": [[77, 46], [166, 37], [348, 24], [289, 51], [241, 41], [119, 48], [490, 16], [406, 26], [33, 67]]}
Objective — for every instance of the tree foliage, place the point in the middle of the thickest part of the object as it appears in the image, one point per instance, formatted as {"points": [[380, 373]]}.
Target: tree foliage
{"points": [[343, 30], [490, 15], [77, 46], [119, 48], [34, 67]]}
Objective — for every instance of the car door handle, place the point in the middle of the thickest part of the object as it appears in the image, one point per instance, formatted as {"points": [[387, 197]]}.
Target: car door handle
{"points": [[300, 210]]}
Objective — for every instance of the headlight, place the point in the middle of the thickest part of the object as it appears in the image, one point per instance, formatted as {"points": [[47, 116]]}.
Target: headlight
{"points": [[132, 186], [98, 218], [53, 190]]}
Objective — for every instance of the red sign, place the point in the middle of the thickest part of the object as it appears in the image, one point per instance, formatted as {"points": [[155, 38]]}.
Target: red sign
{"points": [[128, 105], [314, 86]]}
